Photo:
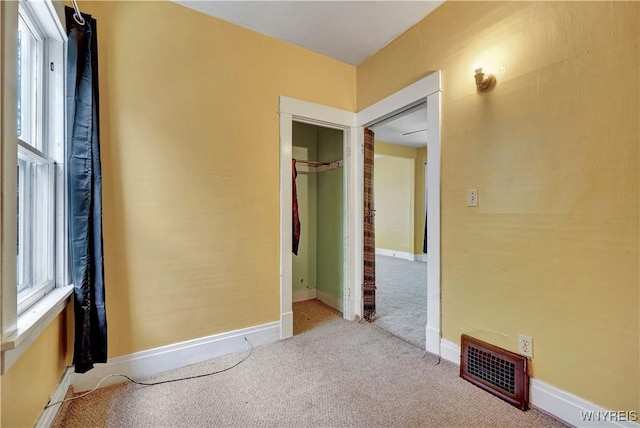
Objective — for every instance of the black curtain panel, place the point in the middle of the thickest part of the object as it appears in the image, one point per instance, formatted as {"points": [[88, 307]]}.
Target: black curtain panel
{"points": [[84, 176], [424, 242]]}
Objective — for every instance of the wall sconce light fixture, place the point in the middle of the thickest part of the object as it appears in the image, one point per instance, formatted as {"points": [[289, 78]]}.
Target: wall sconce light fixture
{"points": [[484, 82]]}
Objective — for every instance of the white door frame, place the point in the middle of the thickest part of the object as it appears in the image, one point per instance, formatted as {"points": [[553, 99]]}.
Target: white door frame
{"points": [[293, 110], [427, 89]]}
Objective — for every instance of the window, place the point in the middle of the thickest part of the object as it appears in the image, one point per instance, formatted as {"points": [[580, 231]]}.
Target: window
{"points": [[41, 244]]}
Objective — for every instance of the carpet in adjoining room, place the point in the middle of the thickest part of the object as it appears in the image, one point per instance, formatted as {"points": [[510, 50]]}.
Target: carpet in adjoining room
{"points": [[401, 298]]}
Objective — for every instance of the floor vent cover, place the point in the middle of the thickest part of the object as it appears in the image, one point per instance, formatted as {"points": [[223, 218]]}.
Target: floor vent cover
{"points": [[496, 370]]}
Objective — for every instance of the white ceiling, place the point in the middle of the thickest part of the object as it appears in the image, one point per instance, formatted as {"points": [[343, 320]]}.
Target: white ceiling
{"points": [[408, 128], [349, 31]]}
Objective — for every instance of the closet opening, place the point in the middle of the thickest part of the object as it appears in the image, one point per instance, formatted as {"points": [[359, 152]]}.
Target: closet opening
{"points": [[318, 226]]}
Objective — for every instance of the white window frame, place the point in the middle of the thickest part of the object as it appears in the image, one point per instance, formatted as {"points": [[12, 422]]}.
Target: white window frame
{"points": [[23, 321], [42, 203]]}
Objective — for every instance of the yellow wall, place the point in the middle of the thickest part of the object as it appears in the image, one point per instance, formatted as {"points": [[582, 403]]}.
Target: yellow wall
{"points": [[420, 157], [190, 145], [29, 383], [190, 149], [552, 250], [420, 206], [393, 196], [190, 159]]}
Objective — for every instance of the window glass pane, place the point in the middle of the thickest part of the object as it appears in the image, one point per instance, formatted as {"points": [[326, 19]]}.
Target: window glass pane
{"points": [[42, 223], [21, 229], [27, 82], [35, 224], [40, 132], [19, 89]]}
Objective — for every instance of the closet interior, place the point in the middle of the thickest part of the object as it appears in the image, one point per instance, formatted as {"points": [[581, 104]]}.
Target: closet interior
{"points": [[317, 269]]}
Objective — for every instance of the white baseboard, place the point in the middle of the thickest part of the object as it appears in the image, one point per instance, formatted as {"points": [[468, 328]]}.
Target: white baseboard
{"points": [[450, 351], [393, 253], [286, 325], [572, 409], [48, 415], [328, 299], [554, 401], [422, 257], [302, 295], [432, 343], [153, 361]]}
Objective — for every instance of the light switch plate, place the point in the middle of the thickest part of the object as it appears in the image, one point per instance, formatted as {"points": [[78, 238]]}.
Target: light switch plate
{"points": [[472, 198]]}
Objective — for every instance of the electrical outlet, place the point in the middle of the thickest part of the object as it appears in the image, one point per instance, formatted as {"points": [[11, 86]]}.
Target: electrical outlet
{"points": [[525, 345], [472, 198]]}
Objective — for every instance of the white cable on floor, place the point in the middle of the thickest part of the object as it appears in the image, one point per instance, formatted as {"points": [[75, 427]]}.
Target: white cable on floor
{"points": [[247, 355]]}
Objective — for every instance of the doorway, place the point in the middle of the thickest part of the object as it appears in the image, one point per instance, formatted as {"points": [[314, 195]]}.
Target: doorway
{"points": [[318, 210], [427, 89], [400, 151], [303, 112]]}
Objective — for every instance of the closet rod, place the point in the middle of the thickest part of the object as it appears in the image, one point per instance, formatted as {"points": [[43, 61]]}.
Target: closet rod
{"points": [[310, 162]]}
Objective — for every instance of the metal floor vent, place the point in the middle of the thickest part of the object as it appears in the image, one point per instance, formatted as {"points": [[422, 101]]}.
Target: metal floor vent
{"points": [[496, 370]]}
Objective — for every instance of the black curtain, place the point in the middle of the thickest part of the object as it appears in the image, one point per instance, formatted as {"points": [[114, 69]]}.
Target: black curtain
{"points": [[84, 176], [424, 241]]}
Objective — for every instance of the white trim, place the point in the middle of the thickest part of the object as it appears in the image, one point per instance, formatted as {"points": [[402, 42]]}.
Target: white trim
{"points": [[48, 19], [427, 89], [408, 97], [8, 157], [315, 114], [286, 325], [302, 295], [286, 260], [32, 322], [432, 341], [49, 414], [329, 300], [450, 351], [422, 257], [157, 360], [397, 254], [354, 206], [568, 407], [433, 206], [19, 331]]}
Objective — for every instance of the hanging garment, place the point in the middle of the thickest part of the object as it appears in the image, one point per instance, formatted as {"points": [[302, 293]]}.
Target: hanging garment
{"points": [[295, 219]]}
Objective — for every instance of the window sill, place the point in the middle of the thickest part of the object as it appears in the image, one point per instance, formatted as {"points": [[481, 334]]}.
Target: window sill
{"points": [[32, 322]]}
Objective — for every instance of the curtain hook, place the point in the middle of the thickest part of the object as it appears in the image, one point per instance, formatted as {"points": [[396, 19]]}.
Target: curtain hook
{"points": [[77, 16]]}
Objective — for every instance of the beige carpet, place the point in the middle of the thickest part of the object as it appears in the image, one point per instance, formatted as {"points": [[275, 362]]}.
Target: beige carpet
{"points": [[338, 374], [401, 298], [310, 314]]}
